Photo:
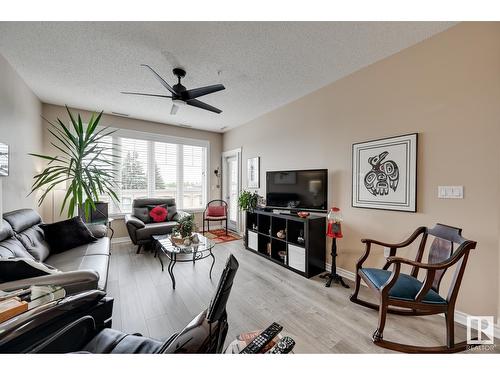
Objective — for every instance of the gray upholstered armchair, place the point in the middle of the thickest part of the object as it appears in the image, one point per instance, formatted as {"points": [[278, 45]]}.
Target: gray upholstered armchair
{"points": [[141, 227]]}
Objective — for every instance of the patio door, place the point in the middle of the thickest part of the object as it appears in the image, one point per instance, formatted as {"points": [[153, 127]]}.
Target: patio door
{"points": [[231, 177]]}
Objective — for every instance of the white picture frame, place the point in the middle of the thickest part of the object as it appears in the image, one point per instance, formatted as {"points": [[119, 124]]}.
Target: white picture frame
{"points": [[253, 173], [384, 173]]}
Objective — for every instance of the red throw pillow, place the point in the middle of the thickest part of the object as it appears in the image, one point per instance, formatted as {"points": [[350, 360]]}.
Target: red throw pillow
{"points": [[216, 211], [158, 214]]}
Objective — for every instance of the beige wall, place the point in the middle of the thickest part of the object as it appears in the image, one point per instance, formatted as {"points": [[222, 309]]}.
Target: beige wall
{"points": [[447, 89], [21, 129], [52, 112]]}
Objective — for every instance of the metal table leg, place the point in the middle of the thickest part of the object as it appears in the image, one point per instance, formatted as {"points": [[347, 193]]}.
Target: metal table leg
{"points": [[112, 231], [161, 262], [171, 265], [213, 262]]}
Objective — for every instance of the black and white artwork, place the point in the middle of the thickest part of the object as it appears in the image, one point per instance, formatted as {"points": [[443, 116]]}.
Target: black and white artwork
{"points": [[4, 160], [253, 173], [384, 173]]}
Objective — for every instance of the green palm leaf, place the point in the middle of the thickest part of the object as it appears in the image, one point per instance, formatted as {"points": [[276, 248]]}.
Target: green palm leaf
{"points": [[84, 164]]}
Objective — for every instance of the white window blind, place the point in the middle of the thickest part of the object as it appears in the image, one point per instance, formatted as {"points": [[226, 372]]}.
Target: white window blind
{"points": [[152, 168]]}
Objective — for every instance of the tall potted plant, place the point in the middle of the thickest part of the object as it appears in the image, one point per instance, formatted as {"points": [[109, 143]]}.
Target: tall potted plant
{"points": [[85, 164]]}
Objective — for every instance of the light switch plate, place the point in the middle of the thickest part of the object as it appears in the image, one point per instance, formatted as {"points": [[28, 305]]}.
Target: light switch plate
{"points": [[451, 192]]}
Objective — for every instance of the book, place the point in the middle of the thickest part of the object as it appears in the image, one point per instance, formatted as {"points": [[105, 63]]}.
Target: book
{"points": [[12, 307]]}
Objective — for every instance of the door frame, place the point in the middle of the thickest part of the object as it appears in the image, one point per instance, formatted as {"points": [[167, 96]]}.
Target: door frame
{"points": [[235, 152]]}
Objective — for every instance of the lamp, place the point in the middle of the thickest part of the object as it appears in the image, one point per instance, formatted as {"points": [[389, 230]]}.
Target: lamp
{"points": [[334, 231]]}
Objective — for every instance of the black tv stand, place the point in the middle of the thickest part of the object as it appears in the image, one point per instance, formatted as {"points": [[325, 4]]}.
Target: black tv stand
{"points": [[306, 257]]}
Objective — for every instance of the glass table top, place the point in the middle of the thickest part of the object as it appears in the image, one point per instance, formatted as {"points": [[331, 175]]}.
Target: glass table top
{"points": [[36, 295], [169, 246]]}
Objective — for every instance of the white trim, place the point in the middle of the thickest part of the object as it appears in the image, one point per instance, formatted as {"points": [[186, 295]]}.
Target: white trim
{"points": [[344, 273], [234, 152], [460, 317], [148, 136]]}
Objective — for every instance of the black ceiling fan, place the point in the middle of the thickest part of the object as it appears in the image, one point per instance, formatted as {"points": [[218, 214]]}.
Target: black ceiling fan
{"points": [[181, 95]]}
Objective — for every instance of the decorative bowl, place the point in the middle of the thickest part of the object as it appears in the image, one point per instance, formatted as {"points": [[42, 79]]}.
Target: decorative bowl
{"points": [[303, 214], [177, 240]]}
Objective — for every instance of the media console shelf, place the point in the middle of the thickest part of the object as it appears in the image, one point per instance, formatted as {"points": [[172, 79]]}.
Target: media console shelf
{"points": [[306, 258]]}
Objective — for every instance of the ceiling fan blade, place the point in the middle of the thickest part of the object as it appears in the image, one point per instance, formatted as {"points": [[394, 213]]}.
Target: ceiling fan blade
{"points": [[174, 109], [197, 103], [143, 94], [200, 91], [162, 81]]}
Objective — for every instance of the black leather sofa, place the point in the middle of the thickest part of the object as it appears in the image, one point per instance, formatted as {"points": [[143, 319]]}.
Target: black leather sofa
{"points": [[83, 268], [141, 230], [80, 323]]}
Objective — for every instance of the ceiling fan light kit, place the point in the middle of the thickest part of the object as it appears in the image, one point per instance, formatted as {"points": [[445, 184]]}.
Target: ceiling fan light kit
{"points": [[179, 94]]}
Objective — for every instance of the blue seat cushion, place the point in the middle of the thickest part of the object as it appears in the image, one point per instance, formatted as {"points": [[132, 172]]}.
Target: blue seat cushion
{"points": [[405, 288]]}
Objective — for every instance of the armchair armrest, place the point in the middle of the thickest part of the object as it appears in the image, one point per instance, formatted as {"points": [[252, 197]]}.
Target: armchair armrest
{"points": [[393, 247], [72, 281], [135, 221], [405, 243]]}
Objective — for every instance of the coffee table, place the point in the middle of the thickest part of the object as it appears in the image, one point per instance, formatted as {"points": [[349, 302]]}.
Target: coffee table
{"points": [[203, 249]]}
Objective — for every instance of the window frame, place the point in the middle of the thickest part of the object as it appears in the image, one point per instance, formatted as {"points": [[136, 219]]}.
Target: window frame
{"points": [[164, 138]]}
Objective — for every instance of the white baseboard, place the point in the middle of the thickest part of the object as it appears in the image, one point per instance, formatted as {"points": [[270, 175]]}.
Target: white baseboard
{"points": [[460, 317]]}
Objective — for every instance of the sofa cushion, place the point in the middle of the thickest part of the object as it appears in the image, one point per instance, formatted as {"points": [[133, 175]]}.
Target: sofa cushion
{"points": [[5, 230], [142, 213], [13, 248], [67, 234], [92, 256], [10, 246], [216, 211], [158, 214], [405, 288], [34, 242], [155, 229], [98, 230], [172, 212], [22, 268], [22, 219]]}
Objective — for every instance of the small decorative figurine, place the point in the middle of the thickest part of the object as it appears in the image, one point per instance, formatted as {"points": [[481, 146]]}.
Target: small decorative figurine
{"points": [[195, 239], [300, 238], [281, 234]]}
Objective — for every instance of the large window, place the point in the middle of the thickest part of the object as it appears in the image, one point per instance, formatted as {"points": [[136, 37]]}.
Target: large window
{"points": [[159, 166]]}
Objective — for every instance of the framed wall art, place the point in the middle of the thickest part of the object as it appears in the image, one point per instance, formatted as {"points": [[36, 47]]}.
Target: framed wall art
{"points": [[384, 173], [253, 173], [4, 160]]}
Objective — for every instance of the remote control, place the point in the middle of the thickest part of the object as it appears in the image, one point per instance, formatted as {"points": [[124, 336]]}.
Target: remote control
{"points": [[284, 346], [262, 340]]}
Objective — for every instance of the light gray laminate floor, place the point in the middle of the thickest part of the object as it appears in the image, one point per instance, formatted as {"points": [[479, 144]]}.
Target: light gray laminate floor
{"points": [[321, 320]]}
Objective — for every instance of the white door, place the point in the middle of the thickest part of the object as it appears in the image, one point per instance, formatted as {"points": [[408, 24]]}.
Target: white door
{"points": [[231, 187]]}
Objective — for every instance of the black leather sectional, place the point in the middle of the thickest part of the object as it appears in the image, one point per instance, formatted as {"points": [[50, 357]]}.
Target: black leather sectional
{"points": [[84, 267]]}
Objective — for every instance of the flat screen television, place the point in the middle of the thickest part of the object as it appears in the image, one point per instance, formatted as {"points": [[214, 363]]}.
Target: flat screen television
{"points": [[298, 190]]}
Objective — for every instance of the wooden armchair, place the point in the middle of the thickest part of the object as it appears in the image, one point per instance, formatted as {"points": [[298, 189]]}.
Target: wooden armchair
{"points": [[404, 294]]}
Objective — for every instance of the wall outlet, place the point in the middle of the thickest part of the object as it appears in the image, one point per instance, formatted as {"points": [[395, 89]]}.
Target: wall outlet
{"points": [[450, 192]]}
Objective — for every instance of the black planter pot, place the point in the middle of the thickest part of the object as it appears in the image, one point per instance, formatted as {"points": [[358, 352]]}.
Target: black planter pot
{"points": [[100, 213]]}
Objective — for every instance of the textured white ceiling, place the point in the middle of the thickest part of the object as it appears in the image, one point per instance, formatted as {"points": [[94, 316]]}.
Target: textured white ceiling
{"points": [[263, 65]]}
